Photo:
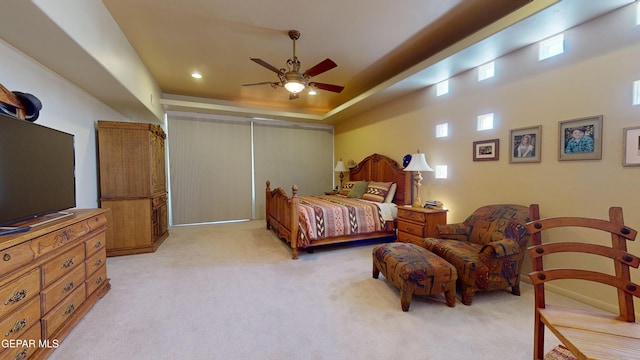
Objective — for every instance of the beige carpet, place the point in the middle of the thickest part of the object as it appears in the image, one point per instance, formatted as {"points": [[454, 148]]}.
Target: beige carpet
{"points": [[231, 291]]}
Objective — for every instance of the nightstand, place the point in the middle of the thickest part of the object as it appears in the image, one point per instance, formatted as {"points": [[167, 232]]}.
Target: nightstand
{"points": [[416, 223]]}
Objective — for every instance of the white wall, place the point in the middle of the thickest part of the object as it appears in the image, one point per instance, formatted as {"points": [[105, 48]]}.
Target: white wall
{"points": [[64, 107], [92, 28]]}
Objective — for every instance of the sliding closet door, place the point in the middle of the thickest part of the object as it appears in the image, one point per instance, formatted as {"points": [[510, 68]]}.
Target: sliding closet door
{"points": [[210, 169], [287, 155]]}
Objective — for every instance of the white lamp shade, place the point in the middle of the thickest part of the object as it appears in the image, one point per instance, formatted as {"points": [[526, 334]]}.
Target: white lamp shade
{"points": [[340, 166], [294, 86], [418, 163]]}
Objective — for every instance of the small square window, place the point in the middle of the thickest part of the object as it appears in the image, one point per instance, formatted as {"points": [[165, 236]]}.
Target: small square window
{"points": [[441, 172], [485, 122], [636, 92], [442, 88], [442, 130], [551, 47], [486, 71]]}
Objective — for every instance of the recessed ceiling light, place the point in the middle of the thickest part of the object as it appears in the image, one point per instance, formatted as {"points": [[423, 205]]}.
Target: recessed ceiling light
{"points": [[196, 75]]}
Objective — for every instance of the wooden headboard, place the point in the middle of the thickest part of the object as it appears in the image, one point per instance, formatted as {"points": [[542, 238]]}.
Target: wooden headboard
{"points": [[378, 167]]}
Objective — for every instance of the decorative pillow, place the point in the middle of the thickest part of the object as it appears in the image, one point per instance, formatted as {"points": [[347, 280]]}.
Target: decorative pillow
{"points": [[481, 232], [377, 191], [358, 189], [392, 193], [347, 186]]}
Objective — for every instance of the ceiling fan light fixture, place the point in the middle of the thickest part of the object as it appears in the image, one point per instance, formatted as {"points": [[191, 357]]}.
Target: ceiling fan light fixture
{"points": [[294, 82], [294, 86]]}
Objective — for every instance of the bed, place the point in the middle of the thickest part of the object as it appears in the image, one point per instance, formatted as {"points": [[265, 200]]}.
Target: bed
{"points": [[296, 219]]}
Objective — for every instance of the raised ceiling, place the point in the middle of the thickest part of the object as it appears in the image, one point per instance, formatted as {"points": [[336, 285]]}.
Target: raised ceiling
{"points": [[383, 49], [372, 42]]}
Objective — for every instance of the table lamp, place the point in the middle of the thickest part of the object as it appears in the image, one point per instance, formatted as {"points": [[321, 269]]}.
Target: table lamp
{"points": [[418, 163], [341, 168]]}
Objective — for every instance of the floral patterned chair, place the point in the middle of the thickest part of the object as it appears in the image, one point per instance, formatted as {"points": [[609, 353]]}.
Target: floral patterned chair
{"points": [[487, 249]]}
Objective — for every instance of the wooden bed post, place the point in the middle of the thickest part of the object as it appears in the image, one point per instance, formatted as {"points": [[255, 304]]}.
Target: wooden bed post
{"points": [[293, 234], [266, 204]]}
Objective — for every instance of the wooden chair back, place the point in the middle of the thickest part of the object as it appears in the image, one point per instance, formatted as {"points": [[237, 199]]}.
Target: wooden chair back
{"points": [[589, 335]]}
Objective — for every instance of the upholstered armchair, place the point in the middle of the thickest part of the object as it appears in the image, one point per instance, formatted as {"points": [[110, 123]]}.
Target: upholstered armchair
{"points": [[487, 249]]}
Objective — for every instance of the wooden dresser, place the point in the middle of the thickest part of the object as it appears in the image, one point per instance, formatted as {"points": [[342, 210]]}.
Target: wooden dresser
{"points": [[415, 223], [133, 185], [50, 277]]}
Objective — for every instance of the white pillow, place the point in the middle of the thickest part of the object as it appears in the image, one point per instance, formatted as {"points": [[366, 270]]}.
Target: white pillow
{"points": [[392, 193]]}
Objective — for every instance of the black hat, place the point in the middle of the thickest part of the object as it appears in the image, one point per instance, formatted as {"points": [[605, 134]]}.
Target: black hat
{"points": [[32, 105]]}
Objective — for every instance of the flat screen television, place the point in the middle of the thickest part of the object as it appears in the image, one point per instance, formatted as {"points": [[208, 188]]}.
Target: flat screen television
{"points": [[37, 170]]}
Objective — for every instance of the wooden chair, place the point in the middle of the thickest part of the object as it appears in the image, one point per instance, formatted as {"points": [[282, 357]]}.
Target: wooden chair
{"points": [[588, 334]]}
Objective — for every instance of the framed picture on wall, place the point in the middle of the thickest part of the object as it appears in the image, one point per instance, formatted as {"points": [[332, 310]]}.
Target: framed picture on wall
{"points": [[525, 145], [631, 149], [580, 139], [486, 150]]}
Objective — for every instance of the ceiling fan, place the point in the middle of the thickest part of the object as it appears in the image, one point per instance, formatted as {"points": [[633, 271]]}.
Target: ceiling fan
{"points": [[292, 79]]}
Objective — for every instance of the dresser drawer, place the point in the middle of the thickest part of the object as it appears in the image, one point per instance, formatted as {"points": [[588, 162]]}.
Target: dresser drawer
{"points": [[32, 337], [408, 238], [56, 239], [96, 243], [53, 294], [97, 221], [404, 214], [56, 317], [96, 279], [60, 265], [19, 291], [15, 256], [411, 228], [96, 261], [16, 324]]}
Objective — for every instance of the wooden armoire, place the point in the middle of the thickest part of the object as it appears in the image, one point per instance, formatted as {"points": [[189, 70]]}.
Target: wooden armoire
{"points": [[133, 184]]}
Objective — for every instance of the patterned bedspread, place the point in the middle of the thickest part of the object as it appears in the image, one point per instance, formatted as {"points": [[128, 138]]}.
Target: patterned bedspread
{"points": [[329, 216]]}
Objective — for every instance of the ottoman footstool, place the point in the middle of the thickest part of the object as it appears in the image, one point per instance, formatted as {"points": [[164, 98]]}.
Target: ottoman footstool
{"points": [[415, 270]]}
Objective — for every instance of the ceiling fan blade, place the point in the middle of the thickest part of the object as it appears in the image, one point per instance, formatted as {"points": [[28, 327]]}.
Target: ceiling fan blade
{"points": [[324, 65], [293, 96], [266, 64], [259, 83], [328, 87]]}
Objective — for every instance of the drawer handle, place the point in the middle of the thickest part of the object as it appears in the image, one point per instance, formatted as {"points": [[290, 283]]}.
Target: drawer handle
{"points": [[67, 263], [20, 324], [98, 280], [6, 257], [22, 355], [97, 263], [408, 228], [68, 287], [19, 295], [70, 309], [97, 245]]}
